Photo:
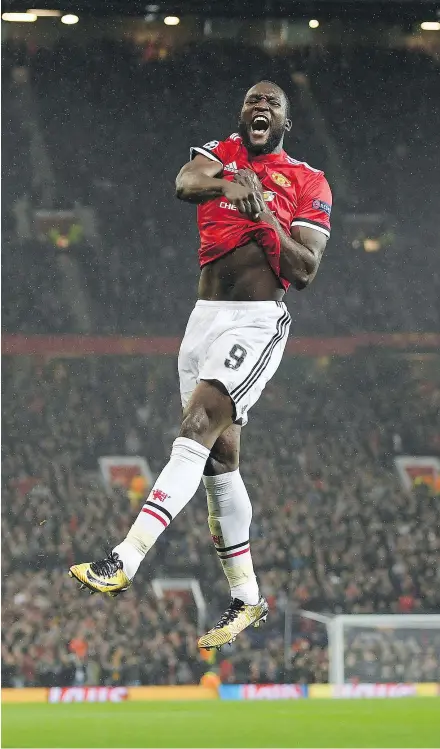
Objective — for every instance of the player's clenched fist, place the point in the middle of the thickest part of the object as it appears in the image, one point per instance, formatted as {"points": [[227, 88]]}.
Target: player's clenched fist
{"points": [[245, 197], [248, 178]]}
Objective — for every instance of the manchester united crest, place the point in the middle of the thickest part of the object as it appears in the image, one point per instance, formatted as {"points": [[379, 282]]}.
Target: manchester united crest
{"points": [[280, 179]]}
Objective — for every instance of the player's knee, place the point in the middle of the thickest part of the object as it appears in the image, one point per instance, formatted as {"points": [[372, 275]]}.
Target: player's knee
{"points": [[195, 424], [202, 424], [221, 460], [206, 416]]}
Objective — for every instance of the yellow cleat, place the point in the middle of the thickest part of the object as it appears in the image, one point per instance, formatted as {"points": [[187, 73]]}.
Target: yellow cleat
{"points": [[236, 618], [106, 576]]}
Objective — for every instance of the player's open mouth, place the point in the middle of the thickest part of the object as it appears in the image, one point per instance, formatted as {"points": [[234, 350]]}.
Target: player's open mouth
{"points": [[260, 124]]}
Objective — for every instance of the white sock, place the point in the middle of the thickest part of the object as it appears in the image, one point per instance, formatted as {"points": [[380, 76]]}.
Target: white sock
{"points": [[230, 515], [174, 488]]}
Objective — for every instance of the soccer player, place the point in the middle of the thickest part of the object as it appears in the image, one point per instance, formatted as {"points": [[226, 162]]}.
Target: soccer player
{"points": [[264, 221]]}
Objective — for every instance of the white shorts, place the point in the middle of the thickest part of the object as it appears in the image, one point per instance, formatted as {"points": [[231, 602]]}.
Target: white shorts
{"points": [[239, 344]]}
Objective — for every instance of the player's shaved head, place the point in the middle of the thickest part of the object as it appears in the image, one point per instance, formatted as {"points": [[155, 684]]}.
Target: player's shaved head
{"points": [[276, 87]]}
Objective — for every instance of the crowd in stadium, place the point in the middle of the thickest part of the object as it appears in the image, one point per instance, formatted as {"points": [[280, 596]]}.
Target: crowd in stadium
{"points": [[32, 299], [141, 275], [332, 529], [394, 94], [393, 656]]}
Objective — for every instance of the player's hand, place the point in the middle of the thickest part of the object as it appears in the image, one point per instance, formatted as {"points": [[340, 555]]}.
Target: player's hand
{"points": [[245, 198], [248, 178], [268, 217]]}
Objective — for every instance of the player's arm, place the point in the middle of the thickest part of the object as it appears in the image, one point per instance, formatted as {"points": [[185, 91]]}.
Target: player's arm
{"points": [[199, 181], [302, 250], [301, 253], [302, 259]]}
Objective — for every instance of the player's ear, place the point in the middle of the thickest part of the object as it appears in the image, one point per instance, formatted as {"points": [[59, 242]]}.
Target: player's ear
{"points": [[288, 125]]}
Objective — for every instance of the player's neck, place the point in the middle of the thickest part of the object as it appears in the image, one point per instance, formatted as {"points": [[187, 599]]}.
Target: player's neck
{"points": [[276, 151]]}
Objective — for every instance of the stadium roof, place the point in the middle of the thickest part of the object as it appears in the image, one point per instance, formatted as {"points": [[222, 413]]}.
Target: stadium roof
{"points": [[403, 10]]}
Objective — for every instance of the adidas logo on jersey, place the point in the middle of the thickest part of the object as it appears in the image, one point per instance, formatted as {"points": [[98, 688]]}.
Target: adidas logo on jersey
{"points": [[231, 167]]}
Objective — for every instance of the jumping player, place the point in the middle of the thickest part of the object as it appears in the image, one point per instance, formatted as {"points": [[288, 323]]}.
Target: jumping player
{"points": [[264, 221]]}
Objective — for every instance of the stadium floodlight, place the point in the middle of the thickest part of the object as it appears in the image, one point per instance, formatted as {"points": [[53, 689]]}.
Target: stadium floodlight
{"points": [[313, 23], [19, 17], [69, 19], [171, 20], [43, 13], [371, 244], [430, 26]]}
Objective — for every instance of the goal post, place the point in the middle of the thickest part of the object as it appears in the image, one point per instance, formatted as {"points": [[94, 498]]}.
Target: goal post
{"points": [[182, 587], [374, 648]]}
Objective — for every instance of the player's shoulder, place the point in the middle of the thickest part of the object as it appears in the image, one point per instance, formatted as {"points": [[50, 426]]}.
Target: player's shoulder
{"points": [[231, 149], [231, 140], [302, 168], [218, 150], [232, 145], [234, 138]]}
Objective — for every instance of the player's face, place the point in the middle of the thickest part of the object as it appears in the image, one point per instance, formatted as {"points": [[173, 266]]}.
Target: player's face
{"points": [[263, 120]]}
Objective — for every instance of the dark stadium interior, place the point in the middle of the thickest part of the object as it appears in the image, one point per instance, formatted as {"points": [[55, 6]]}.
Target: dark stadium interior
{"points": [[333, 530], [126, 172]]}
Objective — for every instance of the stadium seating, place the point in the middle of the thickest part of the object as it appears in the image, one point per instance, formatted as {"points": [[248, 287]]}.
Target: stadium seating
{"points": [[141, 118], [32, 300], [381, 106], [332, 530], [15, 161]]}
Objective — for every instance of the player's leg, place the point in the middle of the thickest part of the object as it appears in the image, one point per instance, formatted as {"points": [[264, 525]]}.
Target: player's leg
{"points": [[209, 412], [230, 515], [249, 352], [229, 518], [233, 352]]}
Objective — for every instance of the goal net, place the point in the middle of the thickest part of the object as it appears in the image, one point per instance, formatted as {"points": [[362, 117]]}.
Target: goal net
{"points": [[379, 648], [186, 592]]}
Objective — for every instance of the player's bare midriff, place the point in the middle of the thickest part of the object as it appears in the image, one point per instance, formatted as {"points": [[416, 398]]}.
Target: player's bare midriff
{"points": [[242, 275]]}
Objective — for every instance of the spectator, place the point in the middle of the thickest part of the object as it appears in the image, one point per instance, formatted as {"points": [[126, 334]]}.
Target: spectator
{"points": [[334, 532]]}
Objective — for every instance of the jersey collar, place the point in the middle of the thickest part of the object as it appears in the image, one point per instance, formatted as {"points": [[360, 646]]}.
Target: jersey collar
{"points": [[267, 157]]}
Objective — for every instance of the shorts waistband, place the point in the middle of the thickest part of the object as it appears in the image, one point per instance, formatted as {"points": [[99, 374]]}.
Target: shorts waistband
{"points": [[270, 304]]}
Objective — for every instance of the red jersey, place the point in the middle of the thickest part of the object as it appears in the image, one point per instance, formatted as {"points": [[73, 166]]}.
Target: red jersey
{"points": [[295, 192]]}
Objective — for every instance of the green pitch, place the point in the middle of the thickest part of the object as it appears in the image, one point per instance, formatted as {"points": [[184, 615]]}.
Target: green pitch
{"points": [[308, 723]]}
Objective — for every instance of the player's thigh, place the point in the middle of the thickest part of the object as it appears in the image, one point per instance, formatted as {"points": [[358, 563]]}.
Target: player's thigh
{"points": [[225, 453], [207, 407], [192, 350], [246, 355], [249, 392], [208, 413]]}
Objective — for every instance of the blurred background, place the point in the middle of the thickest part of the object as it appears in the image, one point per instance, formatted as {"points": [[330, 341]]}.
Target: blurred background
{"points": [[101, 103]]}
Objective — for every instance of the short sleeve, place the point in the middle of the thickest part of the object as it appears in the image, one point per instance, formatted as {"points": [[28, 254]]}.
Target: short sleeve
{"points": [[214, 150], [314, 205]]}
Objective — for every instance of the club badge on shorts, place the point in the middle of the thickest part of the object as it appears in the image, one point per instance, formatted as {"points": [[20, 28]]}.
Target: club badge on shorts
{"points": [[280, 179]]}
